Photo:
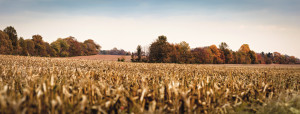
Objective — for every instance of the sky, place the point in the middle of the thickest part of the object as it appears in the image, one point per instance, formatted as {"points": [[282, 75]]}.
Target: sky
{"points": [[266, 25]]}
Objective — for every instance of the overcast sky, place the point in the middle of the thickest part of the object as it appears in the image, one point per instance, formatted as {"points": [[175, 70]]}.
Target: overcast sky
{"points": [[266, 25]]}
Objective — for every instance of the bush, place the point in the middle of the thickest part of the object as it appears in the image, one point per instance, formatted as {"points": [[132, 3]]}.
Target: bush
{"points": [[122, 59]]}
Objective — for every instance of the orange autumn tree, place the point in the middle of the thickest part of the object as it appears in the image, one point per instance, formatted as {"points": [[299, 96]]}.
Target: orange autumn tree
{"points": [[216, 54], [246, 55], [243, 54]]}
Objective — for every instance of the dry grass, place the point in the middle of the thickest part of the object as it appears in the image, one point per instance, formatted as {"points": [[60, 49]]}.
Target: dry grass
{"points": [[102, 57], [54, 85]]}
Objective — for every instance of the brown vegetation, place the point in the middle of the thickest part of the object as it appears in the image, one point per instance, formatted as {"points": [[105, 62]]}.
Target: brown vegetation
{"points": [[62, 47], [161, 51], [102, 57], [55, 85]]}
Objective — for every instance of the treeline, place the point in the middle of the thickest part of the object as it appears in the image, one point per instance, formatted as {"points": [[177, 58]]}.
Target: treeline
{"points": [[62, 47], [161, 51], [115, 51]]}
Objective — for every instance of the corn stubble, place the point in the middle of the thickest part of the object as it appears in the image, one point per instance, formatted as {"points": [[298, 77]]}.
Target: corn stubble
{"points": [[55, 85]]}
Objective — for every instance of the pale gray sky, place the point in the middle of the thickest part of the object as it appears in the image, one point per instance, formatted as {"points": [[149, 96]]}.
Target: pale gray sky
{"points": [[266, 25]]}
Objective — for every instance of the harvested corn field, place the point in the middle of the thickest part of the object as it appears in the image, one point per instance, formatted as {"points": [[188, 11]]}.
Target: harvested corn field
{"points": [[56, 85]]}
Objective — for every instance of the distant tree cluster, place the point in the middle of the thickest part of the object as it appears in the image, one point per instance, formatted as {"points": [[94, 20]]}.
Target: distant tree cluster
{"points": [[139, 56], [62, 47], [114, 51], [161, 51]]}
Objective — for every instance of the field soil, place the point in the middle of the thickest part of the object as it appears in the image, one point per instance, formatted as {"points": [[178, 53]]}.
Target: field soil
{"points": [[102, 57]]}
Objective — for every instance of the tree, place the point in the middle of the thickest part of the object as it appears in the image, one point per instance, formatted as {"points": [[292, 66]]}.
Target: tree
{"points": [[30, 47], [216, 54], [84, 50], [185, 55], [243, 54], [61, 47], [133, 58], [235, 59], [50, 51], [223, 46], [292, 60], [40, 48], [226, 54], [277, 58], [244, 48], [253, 57], [139, 53], [5, 44], [114, 51], [174, 54], [23, 45], [92, 47], [208, 56], [269, 58], [12, 34], [198, 54], [160, 50], [75, 47], [260, 58], [203, 55]]}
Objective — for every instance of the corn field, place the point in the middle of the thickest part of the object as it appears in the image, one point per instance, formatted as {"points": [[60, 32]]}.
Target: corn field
{"points": [[58, 85]]}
